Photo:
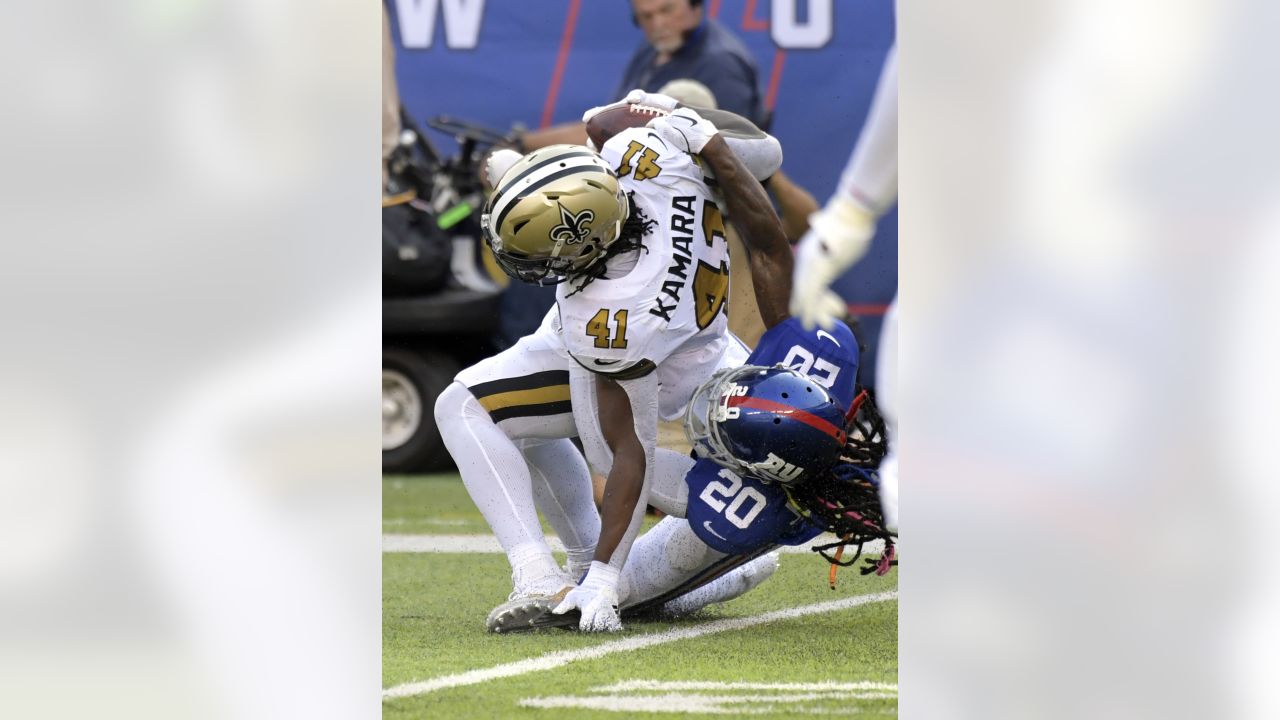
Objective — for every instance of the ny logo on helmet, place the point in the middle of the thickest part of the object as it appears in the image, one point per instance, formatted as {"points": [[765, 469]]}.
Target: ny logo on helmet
{"points": [[572, 228], [776, 469]]}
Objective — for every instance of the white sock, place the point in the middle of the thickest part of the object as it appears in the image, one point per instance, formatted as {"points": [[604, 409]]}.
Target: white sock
{"points": [[562, 492], [496, 476], [534, 570]]}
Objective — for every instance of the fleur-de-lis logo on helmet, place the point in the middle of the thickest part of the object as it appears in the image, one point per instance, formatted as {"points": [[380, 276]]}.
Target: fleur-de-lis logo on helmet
{"points": [[572, 228]]}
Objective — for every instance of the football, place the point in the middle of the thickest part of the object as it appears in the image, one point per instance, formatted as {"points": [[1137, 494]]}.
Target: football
{"points": [[614, 120], [606, 124]]}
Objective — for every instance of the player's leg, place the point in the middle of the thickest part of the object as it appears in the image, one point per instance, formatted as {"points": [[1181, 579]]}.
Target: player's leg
{"points": [[661, 559], [670, 556], [669, 492], [732, 584], [558, 472], [668, 568], [498, 481], [667, 489], [521, 393], [586, 416], [887, 402], [572, 514]]}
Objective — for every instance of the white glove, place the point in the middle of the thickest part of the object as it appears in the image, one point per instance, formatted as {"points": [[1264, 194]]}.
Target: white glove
{"points": [[685, 129], [635, 97], [662, 102], [497, 165], [596, 598], [838, 236]]}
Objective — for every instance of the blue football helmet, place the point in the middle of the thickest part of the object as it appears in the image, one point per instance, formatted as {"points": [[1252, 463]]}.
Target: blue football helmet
{"points": [[769, 423]]}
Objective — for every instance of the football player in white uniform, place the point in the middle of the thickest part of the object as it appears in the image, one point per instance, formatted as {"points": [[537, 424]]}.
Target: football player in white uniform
{"points": [[635, 243]]}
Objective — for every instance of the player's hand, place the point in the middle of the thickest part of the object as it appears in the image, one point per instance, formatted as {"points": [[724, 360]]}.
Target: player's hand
{"points": [[596, 598], [496, 164], [685, 129], [838, 236], [662, 102], [635, 97]]}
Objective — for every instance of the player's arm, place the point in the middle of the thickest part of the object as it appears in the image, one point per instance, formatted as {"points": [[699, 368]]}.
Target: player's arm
{"points": [[625, 483], [747, 204], [753, 215], [570, 133], [627, 410]]}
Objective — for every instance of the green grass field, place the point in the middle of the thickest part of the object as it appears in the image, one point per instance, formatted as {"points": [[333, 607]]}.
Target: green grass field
{"points": [[436, 651]]}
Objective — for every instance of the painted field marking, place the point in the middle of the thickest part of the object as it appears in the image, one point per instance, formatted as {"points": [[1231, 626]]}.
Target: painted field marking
{"points": [[614, 698], [702, 704], [456, 523], [564, 657], [398, 543], [628, 685]]}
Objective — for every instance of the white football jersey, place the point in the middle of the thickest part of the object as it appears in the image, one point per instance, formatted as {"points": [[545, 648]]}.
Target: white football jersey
{"points": [[672, 304]]}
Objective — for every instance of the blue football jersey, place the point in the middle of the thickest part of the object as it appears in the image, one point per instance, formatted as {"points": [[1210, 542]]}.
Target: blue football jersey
{"points": [[735, 514]]}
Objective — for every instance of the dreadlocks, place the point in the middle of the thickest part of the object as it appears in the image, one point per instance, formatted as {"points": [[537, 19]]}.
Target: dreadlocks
{"points": [[636, 226], [844, 500]]}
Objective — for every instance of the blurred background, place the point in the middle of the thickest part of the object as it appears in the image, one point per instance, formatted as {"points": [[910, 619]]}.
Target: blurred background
{"points": [[470, 75]]}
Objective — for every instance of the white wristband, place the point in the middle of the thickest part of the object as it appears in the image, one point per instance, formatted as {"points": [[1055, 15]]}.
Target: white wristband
{"points": [[601, 575]]}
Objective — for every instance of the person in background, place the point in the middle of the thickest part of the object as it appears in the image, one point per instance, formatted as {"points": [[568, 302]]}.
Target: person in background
{"points": [[390, 96], [681, 42]]}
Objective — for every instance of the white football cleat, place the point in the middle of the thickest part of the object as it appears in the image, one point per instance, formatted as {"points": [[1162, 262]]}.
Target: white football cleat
{"points": [[522, 608], [536, 584], [733, 584]]}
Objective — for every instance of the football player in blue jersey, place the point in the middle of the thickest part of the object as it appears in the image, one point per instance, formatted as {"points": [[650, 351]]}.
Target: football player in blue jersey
{"points": [[786, 449], [780, 462], [757, 429]]}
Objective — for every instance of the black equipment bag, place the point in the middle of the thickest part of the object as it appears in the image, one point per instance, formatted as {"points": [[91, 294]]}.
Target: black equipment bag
{"points": [[415, 251]]}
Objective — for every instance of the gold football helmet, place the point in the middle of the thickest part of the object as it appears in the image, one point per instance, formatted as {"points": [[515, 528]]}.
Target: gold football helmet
{"points": [[554, 214]]}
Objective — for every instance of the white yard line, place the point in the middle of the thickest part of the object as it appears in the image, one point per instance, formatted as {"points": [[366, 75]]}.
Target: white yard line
{"points": [[676, 696], [629, 685], [703, 704], [395, 543], [564, 657]]}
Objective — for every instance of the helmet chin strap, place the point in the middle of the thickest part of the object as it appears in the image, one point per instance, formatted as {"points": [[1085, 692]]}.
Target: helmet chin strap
{"points": [[555, 251]]}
